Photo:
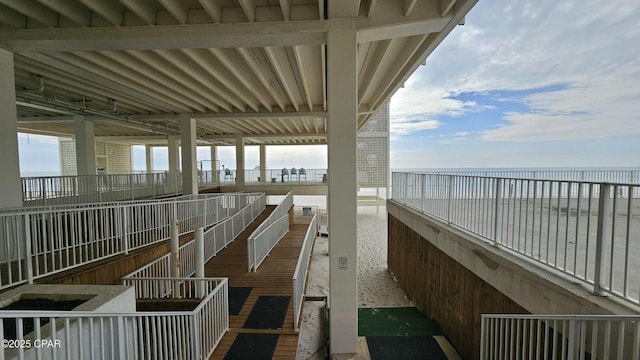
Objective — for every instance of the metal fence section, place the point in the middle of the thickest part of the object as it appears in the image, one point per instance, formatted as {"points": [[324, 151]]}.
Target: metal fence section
{"points": [[260, 242], [216, 238], [593, 175], [590, 231], [561, 337], [85, 189], [295, 175], [138, 335], [38, 242], [302, 267]]}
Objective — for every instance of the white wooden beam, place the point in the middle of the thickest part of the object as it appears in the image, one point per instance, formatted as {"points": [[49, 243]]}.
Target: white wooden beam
{"points": [[105, 9], [408, 6], [402, 29], [303, 77], [282, 67], [213, 8], [258, 69], [71, 10], [165, 37], [96, 78], [143, 8], [285, 6], [249, 8], [33, 10], [12, 17], [371, 8], [177, 9], [445, 6]]}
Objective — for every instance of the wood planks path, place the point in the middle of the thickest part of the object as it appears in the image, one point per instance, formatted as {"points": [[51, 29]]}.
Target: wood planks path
{"points": [[273, 278]]}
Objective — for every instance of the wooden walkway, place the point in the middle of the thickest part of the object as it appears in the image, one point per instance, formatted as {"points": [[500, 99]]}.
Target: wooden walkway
{"points": [[273, 278]]}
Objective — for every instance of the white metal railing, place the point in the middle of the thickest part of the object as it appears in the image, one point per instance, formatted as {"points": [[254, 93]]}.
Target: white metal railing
{"points": [[631, 175], [302, 267], [137, 335], [590, 231], [36, 242], [216, 238], [83, 189], [286, 175], [265, 237], [561, 337]]}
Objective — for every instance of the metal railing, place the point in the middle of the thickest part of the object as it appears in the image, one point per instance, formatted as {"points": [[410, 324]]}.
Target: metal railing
{"points": [[561, 337], [590, 231], [594, 175], [295, 175], [302, 267], [137, 335], [266, 236], [36, 242], [84, 189], [216, 238]]}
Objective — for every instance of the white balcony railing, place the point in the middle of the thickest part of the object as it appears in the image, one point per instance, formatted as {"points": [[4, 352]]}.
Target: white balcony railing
{"points": [[559, 337], [85, 189], [286, 175], [302, 267], [267, 235], [137, 335], [590, 231], [36, 242], [216, 238]]}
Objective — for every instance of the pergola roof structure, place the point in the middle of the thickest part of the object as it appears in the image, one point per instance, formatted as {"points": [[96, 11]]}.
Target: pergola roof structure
{"points": [[255, 68]]}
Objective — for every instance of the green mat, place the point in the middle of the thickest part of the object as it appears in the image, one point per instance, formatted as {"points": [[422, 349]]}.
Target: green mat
{"points": [[397, 321], [407, 321]]}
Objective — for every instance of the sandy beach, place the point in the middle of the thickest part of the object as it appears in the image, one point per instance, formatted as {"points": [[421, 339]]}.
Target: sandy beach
{"points": [[376, 286]]}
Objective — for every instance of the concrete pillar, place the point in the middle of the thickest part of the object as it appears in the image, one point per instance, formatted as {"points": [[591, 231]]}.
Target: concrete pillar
{"points": [[342, 200], [263, 163], [239, 161], [85, 146], [172, 147], [188, 146], [148, 152], [10, 184]]}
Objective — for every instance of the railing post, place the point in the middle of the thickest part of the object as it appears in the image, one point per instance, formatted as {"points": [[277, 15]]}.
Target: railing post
{"points": [[449, 198], [423, 186], [125, 228], [497, 225], [122, 339], [175, 253], [27, 248], [131, 186], [44, 191], [602, 238], [199, 239]]}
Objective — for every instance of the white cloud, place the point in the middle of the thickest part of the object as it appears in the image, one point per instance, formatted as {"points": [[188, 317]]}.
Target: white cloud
{"points": [[589, 46]]}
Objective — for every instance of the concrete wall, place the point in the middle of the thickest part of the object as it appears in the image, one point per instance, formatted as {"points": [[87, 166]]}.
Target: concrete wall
{"points": [[463, 271]]}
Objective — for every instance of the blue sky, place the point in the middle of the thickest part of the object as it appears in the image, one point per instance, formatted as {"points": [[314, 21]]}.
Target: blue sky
{"points": [[526, 83], [538, 83]]}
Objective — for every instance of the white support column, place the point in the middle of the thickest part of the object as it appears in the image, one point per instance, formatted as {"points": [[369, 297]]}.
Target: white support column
{"points": [[172, 149], [342, 93], [148, 152], [10, 185], [263, 163], [239, 161], [214, 161], [85, 146], [188, 146], [199, 238]]}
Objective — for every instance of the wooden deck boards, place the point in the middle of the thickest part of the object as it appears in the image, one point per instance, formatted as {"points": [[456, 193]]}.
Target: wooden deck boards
{"points": [[273, 278]]}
